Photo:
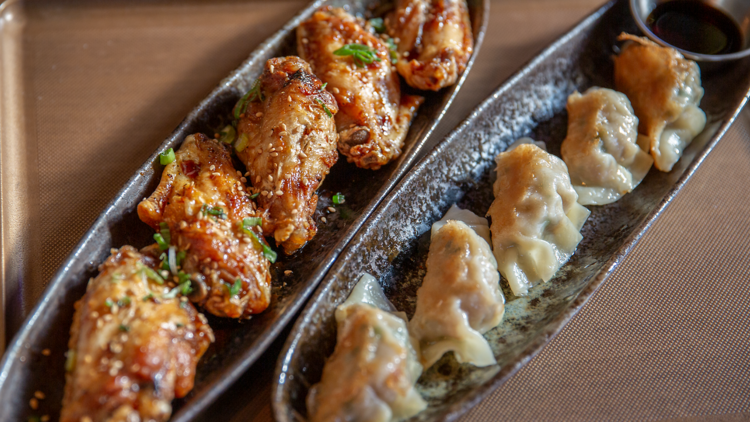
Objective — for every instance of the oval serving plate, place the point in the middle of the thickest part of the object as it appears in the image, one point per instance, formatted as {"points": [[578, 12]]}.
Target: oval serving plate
{"points": [[394, 243], [25, 370]]}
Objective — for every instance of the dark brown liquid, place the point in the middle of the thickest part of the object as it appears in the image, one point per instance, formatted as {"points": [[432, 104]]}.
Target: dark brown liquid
{"points": [[695, 27]]}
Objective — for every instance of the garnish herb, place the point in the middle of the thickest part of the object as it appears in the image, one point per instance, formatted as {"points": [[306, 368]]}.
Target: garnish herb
{"points": [[124, 328], [163, 237], [254, 93], [166, 157], [235, 289], [227, 134], [378, 25], [148, 297], [251, 221], [392, 50], [242, 142], [361, 54], [217, 212], [322, 87], [124, 301], [186, 287], [153, 275], [108, 303], [338, 199], [269, 253], [328, 112], [255, 195]]}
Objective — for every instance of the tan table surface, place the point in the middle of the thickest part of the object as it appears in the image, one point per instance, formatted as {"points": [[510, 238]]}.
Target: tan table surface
{"points": [[666, 338]]}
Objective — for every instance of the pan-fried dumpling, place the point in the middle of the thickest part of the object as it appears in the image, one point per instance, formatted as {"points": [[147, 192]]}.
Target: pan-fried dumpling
{"points": [[600, 150], [460, 297], [371, 374], [536, 220], [665, 90]]}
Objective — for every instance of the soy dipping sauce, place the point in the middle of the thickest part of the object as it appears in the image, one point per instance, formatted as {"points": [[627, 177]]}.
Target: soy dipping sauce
{"points": [[696, 27]]}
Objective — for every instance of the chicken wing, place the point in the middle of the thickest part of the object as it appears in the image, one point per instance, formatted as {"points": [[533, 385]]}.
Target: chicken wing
{"points": [[202, 207], [434, 40], [287, 140], [134, 344], [374, 116]]}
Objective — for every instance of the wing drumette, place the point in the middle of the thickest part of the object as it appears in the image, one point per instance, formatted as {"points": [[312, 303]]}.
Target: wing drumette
{"points": [[287, 140], [374, 116], [134, 344], [434, 41], [202, 205]]}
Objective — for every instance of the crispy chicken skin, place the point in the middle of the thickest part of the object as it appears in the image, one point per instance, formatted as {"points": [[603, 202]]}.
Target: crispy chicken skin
{"points": [[374, 116], [203, 202], [434, 40], [291, 146], [131, 349]]}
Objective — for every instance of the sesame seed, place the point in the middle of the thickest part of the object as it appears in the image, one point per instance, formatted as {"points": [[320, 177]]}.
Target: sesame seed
{"points": [[86, 418], [270, 68], [289, 98], [331, 209], [88, 359], [288, 272], [94, 315], [335, 90], [264, 193], [239, 173], [183, 224], [216, 173], [302, 154], [212, 168], [323, 219], [270, 178], [34, 404], [115, 347], [99, 323], [294, 211], [38, 394], [243, 180], [46, 352], [258, 114], [274, 154], [304, 41], [279, 192], [112, 373], [283, 126]]}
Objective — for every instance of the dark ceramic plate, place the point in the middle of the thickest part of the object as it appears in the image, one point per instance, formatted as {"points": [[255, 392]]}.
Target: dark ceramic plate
{"points": [[24, 369], [394, 243]]}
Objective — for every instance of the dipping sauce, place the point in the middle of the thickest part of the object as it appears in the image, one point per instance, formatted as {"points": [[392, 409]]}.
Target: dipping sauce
{"points": [[696, 27]]}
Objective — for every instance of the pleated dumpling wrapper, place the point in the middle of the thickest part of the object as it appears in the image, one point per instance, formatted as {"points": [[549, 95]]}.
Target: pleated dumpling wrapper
{"points": [[536, 219], [601, 150], [460, 298], [665, 90], [373, 369]]}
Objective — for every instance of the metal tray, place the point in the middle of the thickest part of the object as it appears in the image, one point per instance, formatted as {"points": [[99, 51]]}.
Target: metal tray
{"points": [[24, 369], [394, 243]]}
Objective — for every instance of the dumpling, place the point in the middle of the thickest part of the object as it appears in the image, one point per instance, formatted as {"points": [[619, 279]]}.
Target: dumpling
{"points": [[371, 374], [665, 90], [460, 297], [600, 150], [536, 220]]}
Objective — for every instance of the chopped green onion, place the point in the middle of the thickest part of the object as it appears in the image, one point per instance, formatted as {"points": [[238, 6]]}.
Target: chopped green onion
{"points": [[255, 195], [361, 54], [235, 289], [186, 288], [181, 257], [269, 253], [124, 328], [254, 93], [252, 221], [153, 275], [217, 212], [328, 112], [172, 259], [148, 297], [164, 230], [242, 142], [171, 294], [160, 241], [108, 303], [338, 199], [164, 261], [70, 360], [322, 87], [377, 24], [228, 134], [166, 157], [392, 50], [124, 301]]}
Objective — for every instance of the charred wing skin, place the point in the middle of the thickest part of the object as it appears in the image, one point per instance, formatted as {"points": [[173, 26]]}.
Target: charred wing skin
{"points": [[291, 146], [434, 40], [131, 350], [374, 116], [203, 201]]}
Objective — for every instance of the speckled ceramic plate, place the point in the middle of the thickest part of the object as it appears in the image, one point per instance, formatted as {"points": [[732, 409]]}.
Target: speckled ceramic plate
{"points": [[24, 370], [394, 243]]}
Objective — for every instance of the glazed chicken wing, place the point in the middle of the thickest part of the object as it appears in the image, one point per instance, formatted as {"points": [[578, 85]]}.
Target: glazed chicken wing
{"points": [[209, 217], [374, 116], [434, 40], [287, 140], [134, 344]]}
